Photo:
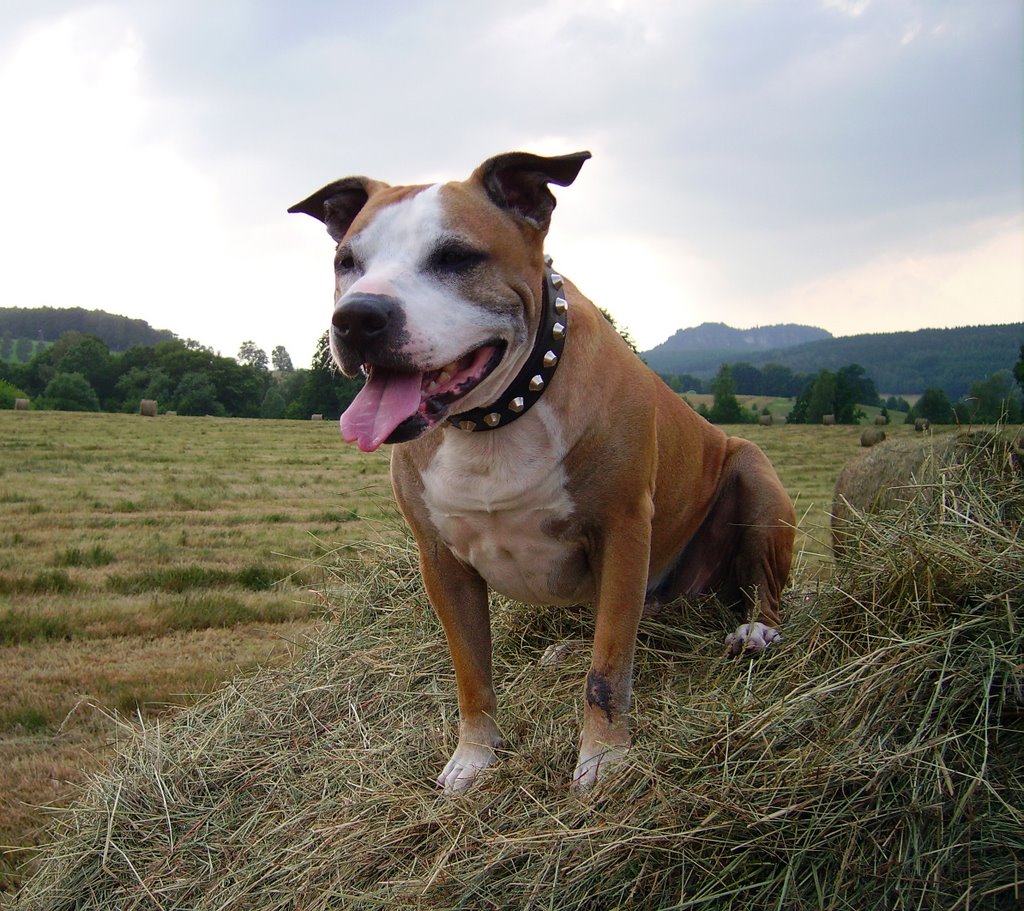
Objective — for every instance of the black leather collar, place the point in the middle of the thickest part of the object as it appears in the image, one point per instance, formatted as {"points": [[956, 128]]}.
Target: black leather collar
{"points": [[528, 386]]}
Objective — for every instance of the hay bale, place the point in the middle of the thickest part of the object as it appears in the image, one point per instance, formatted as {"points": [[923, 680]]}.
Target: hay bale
{"points": [[922, 424], [881, 420], [765, 420], [21, 405], [903, 470], [147, 408], [828, 419], [316, 417], [871, 436], [170, 414], [885, 765]]}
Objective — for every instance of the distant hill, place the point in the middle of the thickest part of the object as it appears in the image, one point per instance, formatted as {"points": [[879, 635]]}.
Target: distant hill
{"points": [[898, 362], [47, 324], [705, 347]]}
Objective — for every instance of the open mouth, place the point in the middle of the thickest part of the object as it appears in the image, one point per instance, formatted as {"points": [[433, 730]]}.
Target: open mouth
{"points": [[395, 406]]}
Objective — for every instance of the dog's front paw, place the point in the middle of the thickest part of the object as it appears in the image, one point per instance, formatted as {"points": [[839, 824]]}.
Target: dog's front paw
{"points": [[468, 761], [595, 763], [751, 638]]}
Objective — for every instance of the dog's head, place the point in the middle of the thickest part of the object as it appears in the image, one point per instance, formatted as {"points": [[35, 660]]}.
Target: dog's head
{"points": [[438, 288]]}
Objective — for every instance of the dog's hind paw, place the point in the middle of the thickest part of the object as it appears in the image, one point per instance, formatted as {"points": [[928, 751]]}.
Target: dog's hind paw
{"points": [[468, 761], [751, 638]]}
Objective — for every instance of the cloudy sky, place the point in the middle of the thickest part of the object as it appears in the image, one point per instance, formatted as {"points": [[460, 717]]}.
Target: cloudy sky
{"points": [[852, 164]]}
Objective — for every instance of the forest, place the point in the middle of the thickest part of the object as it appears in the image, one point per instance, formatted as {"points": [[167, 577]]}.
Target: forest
{"points": [[900, 363], [79, 372]]}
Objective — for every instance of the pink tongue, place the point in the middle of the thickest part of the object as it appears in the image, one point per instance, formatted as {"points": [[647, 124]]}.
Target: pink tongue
{"points": [[386, 400]]}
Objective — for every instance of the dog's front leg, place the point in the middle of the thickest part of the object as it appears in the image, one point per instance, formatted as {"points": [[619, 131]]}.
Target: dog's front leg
{"points": [[459, 597], [624, 556]]}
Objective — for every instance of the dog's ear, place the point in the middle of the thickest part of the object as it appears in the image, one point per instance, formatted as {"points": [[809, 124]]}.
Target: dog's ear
{"points": [[337, 204], [518, 182]]}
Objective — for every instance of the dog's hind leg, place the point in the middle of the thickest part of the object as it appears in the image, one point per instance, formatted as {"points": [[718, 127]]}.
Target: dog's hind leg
{"points": [[742, 551], [766, 527]]}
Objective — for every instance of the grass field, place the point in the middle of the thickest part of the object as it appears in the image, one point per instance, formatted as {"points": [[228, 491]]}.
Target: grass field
{"points": [[145, 561]]}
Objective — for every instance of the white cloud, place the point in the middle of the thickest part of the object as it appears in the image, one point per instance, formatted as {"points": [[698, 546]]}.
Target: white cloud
{"points": [[110, 215]]}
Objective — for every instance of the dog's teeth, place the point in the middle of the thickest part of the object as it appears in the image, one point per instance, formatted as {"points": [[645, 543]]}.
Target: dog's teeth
{"points": [[444, 377]]}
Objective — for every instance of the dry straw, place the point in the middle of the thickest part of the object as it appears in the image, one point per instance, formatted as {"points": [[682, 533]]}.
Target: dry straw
{"points": [[875, 759], [871, 436]]}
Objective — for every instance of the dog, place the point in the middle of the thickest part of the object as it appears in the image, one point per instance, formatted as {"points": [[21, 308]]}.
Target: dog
{"points": [[536, 454]]}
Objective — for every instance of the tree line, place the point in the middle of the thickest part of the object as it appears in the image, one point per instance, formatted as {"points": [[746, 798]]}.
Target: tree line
{"points": [[79, 372], [843, 392]]}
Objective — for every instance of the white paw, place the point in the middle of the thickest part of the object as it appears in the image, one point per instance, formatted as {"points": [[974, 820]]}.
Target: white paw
{"points": [[561, 652], [468, 761], [751, 638], [595, 763]]}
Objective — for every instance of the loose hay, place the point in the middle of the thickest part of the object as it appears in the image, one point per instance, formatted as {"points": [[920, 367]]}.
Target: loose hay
{"points": [[874, 759]]}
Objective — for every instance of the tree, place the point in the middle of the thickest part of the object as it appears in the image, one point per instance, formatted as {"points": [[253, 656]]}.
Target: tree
{"points": [[69, 392], [684, 382], [196, 395], [325, 391], [991, 401], [281, 359], [273, 405], [934, 405], [1018, 370], [725, 408], [9, 393], [251, 355], [822, 399], [748, 379]]}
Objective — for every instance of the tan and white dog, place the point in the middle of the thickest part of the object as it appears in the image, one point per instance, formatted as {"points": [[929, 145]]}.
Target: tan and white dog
{"points": [[540, 457]]}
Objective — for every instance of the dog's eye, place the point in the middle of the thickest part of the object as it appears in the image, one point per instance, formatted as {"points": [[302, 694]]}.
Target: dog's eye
{"points": [[455, 258], [345, 261]]}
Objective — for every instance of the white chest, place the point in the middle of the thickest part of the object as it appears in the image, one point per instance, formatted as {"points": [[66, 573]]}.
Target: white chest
{"points": [[500, 503]]}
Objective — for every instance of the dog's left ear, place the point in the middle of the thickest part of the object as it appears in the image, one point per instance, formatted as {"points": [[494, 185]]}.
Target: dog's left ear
{"points": [[337, 204], [518, 182]]}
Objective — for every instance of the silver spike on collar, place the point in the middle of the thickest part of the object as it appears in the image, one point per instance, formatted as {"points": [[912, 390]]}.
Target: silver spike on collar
{"points": [[528, 386]]}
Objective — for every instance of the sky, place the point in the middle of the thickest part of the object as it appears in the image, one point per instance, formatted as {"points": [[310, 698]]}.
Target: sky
{"points": [[856, 165]]}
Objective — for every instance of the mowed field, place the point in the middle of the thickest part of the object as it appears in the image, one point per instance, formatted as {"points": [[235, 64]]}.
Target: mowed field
{"points": [[144, 561]]}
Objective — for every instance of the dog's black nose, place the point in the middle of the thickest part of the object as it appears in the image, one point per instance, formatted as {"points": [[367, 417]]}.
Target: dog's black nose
{"points": [[364, 319]]}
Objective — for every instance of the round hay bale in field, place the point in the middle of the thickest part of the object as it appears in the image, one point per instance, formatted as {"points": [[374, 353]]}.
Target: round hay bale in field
{"points": [[906, 470], [765, 420], [21, 404], [922, 424], [316, 417], [881, 420], [170, 414], [828, 419], [871, 436], [147, 408]]}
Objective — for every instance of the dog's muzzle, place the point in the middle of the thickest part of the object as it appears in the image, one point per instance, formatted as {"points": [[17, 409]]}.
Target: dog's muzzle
{"points": [[368, 328]]}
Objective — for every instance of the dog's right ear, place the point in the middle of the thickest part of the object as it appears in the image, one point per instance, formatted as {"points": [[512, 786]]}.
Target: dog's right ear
{"points": [[337, 204]]}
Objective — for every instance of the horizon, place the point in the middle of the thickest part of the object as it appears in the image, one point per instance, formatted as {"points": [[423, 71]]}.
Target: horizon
{"points": [[297, 365]]}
